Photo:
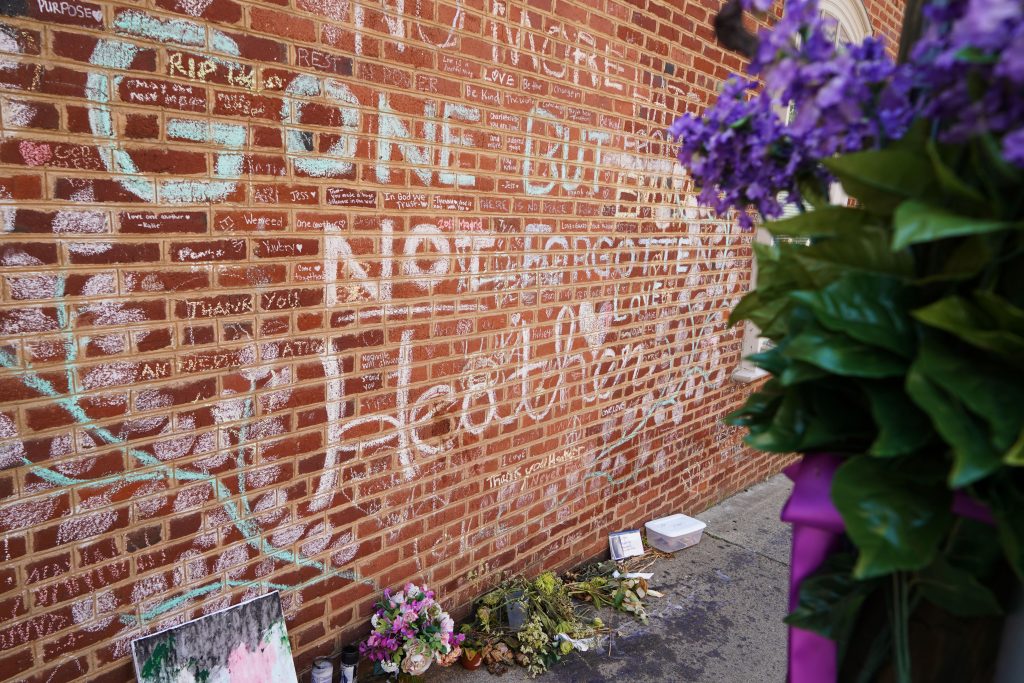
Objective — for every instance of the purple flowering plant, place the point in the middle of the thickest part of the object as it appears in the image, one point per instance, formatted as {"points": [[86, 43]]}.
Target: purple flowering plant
{"points": [[897, 319], [410, 631], [765, 143]]}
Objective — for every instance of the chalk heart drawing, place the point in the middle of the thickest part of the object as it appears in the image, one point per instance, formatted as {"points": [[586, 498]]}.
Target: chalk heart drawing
{"points": [[595, 323], [537, 383], [35, 153]]}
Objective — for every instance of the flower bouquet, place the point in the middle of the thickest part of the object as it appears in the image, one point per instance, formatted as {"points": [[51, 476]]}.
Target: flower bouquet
{"points": [[410, 632]]}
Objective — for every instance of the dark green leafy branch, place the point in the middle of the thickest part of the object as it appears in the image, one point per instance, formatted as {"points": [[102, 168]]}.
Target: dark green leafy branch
{"points": [[899, 343]]}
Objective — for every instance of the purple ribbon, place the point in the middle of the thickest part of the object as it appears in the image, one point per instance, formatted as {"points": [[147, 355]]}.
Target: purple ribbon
{"points": [[817, 530]]}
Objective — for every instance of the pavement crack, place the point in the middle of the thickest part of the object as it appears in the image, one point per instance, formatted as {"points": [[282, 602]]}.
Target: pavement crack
{"points": [[740, 545]]}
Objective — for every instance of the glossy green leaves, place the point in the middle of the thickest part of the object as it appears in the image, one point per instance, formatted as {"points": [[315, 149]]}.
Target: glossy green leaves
{"points": [[896, 517], [899, 344], [916, 221]]}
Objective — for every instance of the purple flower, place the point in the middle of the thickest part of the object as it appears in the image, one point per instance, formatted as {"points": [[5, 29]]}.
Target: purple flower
{"points": [[983, 21], [743, 155], [967, 71], [966, 74], [757, 5], [1013, 147], [738, 153]]}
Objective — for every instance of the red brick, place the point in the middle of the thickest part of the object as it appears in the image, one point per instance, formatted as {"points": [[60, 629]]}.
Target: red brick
{"points": [[56, 80], [80, 47], [21, 187], [165, 94], [111, 253], [282, 24], [73, 12], [208, 250], [170, 222], [257, 48], [142, 126], [220, 11], [244, 104], [22, 41]]}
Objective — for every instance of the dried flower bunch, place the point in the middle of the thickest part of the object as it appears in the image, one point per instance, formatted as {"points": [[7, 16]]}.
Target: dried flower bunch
{"points": [[550, 623], [603, 584], [553, 625]]}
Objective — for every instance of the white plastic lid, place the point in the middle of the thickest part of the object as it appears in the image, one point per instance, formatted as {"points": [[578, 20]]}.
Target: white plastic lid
{"points": [[675, 525]]}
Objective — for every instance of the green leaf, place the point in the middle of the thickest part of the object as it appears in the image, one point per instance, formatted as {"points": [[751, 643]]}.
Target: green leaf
{"points": [[778, 274], [1015, 455], [952, 183], [828, 220], [770, 316], [797, 372], [771, 360], [973, 455], [916, 221], [902, 427], [974, 325], [842, 354], [961, 259], [991, 153], [990, 390], [1006, 315], [975, 55], [974, 547], [759, 408], [750, 302], [836, 420], [868, 307], [814, 415], [830, 601], [893, 515], [882, 179], [957, 591], [765, 254], [813, 191], [866, 250], [785, 431], [1005, 497]]}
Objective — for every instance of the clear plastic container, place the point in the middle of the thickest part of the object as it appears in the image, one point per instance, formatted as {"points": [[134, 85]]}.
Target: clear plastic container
{"points": [[674, 532]]}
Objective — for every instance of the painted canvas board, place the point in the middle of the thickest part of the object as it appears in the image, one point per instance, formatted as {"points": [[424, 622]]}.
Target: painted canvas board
{"points": [[246, 643]]}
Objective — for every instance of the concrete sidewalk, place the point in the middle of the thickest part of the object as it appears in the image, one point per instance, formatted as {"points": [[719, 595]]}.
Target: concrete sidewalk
{"points": [[720, 620]]}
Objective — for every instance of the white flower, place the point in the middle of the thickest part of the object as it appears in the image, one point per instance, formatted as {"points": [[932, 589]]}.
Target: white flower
{"points": [[447, 624], [374, 620], [388, 666]]}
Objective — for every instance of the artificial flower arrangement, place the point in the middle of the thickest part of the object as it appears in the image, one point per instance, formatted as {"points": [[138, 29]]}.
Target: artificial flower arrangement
{"points": [[897, 322], [410, 632]]}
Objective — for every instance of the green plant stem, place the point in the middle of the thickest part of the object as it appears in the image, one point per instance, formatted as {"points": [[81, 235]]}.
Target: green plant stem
{"points": [[900, 627], [912, 27]]}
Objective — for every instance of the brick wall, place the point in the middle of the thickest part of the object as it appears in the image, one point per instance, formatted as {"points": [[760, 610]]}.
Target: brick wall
{"points": [[321, 296]]}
